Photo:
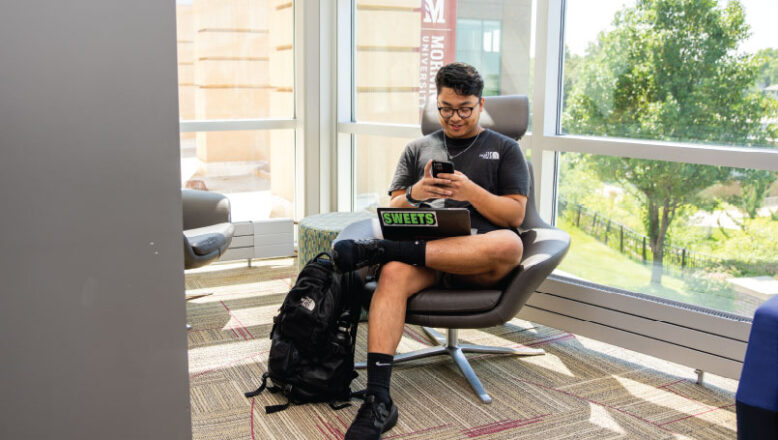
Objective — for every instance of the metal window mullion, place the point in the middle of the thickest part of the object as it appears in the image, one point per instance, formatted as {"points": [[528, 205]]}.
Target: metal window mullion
{"points": [[381, 129], [714, 155], [299, 45], [546, 91], [189, 126], [307, 108], [328, 69], [353, 61], [344, 104]]}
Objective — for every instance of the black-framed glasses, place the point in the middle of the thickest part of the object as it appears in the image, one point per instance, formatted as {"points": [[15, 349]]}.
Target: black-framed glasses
{"points": [[463, 112]]}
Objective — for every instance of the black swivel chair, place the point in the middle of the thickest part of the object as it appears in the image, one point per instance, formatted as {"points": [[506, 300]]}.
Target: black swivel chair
{"points": [[544, 248]]}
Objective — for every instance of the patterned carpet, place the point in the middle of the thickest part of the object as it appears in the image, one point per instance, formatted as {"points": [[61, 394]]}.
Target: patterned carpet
{"points": [[581, 389]]}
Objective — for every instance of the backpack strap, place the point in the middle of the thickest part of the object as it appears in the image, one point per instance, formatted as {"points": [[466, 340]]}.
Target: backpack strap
{"points": [[286, 390], [260, 389], [270, 409], [336, 406]]}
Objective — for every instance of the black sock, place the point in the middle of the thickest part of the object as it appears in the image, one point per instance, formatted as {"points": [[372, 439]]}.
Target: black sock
{"points": [[379, 374], [409, 252]]}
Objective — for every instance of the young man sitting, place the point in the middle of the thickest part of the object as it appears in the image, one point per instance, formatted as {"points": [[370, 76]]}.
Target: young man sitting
{"points": [[490, 179]]}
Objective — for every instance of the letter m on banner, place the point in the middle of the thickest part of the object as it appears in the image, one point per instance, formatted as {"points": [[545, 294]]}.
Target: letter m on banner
{"points": [[435, 11], [438, 43]]}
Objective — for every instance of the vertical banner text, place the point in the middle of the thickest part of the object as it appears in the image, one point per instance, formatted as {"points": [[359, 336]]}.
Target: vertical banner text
{"points": [[438, 43]]}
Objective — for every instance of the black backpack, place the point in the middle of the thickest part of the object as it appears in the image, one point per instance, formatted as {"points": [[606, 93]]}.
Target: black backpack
{"points": [[313, 337]]}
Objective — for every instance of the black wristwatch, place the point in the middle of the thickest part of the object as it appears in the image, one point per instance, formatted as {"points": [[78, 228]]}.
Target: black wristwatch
{"points": [[410, 199]]}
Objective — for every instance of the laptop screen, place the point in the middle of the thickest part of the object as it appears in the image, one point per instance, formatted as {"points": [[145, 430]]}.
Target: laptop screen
{"points": [[423, 223]]}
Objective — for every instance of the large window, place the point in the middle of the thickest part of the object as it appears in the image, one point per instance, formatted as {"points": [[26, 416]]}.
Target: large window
{"points": [[684, 73], [236, 72], [398, 48]]}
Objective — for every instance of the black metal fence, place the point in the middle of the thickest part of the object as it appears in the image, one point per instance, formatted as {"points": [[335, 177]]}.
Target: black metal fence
{"points": [[631, 243]]}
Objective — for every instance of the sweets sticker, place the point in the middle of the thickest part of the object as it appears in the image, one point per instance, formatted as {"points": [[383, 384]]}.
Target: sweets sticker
{"points": [[410, 218]]}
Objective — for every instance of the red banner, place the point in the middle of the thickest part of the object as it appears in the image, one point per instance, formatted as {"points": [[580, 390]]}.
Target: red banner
{"points": [[438, 43]]}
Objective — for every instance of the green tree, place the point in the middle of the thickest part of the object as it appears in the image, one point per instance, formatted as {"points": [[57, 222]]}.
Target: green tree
{"points": [[572, 62], [669, 70], [754, 185], [768, 67]]}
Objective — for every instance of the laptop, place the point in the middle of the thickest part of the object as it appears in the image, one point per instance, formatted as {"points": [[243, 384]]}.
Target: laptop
{"points": [[423, 223]]}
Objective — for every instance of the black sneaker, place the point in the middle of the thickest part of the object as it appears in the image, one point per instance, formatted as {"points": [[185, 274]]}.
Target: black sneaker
{"points": [[372, 420], [351, 255]]}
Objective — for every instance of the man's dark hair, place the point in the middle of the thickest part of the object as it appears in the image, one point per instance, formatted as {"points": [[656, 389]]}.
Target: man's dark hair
{"points": [[461, 77]]}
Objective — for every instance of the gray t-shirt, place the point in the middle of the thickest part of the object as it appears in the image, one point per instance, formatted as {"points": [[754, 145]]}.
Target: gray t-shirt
{"points": [[494, 161]]}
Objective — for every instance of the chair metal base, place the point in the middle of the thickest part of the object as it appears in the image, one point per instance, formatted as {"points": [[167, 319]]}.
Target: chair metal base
{"points": [[452, 347]]}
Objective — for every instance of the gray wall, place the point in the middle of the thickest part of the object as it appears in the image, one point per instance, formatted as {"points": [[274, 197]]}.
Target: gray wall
{"points": [[92, 313]]}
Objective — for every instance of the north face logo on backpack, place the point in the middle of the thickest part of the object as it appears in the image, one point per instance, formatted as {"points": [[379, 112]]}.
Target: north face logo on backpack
{"points": [[308, 303]]}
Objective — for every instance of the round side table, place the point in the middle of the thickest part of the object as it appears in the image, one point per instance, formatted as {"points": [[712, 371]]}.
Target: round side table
{"points": [[317, 232]]}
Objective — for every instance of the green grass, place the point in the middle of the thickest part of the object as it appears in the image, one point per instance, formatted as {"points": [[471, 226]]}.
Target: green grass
{"points": [[594, 261]]}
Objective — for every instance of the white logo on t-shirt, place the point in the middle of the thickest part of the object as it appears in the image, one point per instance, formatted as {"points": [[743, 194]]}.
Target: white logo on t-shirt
{"points": [[493, 155]]}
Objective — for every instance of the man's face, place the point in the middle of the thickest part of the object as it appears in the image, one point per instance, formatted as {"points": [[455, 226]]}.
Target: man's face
{"points": [[455, 126]]}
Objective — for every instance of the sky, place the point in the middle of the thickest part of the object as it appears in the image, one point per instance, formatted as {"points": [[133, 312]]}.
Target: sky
{"points": [[584, 22]]}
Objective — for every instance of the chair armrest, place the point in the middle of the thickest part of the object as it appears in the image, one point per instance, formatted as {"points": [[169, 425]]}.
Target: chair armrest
{"points": [[203, 208], [544, 246], [544, 249], [203, 245]]}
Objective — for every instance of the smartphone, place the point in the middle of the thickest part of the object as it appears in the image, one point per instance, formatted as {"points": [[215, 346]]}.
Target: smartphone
{"points": [[439, 166]]}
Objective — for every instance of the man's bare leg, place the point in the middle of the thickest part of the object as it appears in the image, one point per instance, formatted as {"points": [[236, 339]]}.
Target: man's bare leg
{"points": [[482, 259], [397, 283]]}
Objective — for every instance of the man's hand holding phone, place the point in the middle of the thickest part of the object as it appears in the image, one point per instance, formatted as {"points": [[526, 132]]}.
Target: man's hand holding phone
{"points": [[431, 187]]}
